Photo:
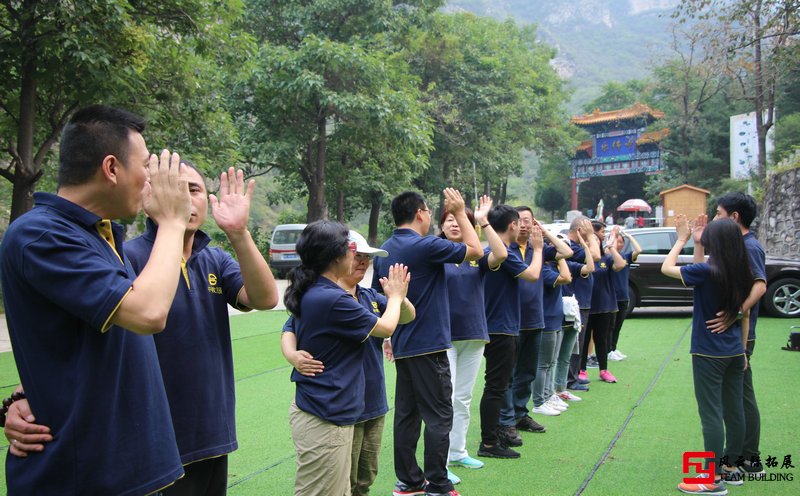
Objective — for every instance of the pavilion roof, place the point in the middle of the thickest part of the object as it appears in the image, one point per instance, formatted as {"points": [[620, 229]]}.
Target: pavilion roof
{"points": [[634, 111], [652, 137], [585, 146]]}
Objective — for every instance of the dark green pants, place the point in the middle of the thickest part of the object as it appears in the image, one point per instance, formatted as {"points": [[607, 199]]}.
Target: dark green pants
{"points": [[366, 450]]}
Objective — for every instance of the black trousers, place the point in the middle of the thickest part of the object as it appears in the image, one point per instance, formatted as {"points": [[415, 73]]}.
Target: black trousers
{"points": [[599, 328], [203, 478], [500, 354], [622, 306], [752, 417], [423, 393], [718, 391]]}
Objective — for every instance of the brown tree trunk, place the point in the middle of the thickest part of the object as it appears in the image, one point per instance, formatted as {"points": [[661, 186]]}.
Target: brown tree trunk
{"points": [[340, 206], [376, 199], [317, 204]]}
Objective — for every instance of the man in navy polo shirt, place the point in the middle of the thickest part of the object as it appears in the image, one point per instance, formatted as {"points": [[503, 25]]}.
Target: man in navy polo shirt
{"points": [[742, 209], [194, 351], [501, 297], [423, 390], [80, 320]]}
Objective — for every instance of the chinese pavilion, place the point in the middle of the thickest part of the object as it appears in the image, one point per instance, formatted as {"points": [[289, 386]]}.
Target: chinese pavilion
{"points": [[619, 145]]}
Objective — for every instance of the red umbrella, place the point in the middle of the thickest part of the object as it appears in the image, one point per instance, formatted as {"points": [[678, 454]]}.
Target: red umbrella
{"points": [[635, 205]]}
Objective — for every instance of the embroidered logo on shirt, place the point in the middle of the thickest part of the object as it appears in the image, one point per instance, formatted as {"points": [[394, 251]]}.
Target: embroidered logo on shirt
{"points": [[375, 307], [213, 288], [603, 265], [473, 263]]}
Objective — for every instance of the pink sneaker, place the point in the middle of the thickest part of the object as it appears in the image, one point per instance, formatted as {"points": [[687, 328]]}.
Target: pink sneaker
{"points": [[607, 376], [582, 375]]}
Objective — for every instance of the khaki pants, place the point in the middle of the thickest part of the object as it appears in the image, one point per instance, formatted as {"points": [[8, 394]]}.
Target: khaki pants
{"points": [[323, 455], [366, 450]]}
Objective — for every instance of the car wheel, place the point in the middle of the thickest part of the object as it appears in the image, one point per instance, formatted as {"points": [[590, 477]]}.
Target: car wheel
{"points": [[782, 298], [633, 300]]}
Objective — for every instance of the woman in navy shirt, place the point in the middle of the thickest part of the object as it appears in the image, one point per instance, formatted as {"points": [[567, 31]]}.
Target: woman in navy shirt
{"points": [[332, 327], [718, 358], [468, 329]]}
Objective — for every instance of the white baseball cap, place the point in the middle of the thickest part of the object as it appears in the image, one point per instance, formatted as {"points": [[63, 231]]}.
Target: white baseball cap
{"points": [[363, 247]]}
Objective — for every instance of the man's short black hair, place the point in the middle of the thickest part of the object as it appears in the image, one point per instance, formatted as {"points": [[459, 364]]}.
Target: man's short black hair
{"points": [[742, 203], [500, 216], [524, 208], [405, 206], [92, 134]]}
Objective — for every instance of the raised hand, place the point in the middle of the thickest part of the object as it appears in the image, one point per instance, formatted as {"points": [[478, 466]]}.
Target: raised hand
{"points": [[482, 213], [682, 227], [165, 196], [396, 284], [536, 239], [700, 224], [581, 239], [231, 210], [453, 201]]}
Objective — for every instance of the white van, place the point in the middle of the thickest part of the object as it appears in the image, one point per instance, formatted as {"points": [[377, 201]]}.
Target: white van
{"points": [[282, 253]]}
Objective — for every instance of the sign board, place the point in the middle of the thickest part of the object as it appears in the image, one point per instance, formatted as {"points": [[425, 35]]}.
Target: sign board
{"points": [[744, 145]]}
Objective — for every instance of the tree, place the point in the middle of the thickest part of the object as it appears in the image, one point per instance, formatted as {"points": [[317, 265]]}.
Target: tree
{"points": [[59, 56]]}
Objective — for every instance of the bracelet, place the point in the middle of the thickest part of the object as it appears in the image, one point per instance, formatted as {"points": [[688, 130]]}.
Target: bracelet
{"points": [[485, 226], [15, 396]]}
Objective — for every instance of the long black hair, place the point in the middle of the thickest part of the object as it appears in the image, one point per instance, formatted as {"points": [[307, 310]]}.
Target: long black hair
{"points": [[730, 268], [320, 244]]}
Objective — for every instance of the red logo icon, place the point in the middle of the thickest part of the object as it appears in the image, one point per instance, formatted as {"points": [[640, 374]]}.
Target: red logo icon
{"points": [[701, 457]]}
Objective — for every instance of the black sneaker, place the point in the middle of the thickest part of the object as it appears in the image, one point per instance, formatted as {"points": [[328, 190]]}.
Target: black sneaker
{"points": [[591, 362], [577, 386], [733, 477], [403, 489], [497, 451], [752, 468], [526, 423], [508, 435]]}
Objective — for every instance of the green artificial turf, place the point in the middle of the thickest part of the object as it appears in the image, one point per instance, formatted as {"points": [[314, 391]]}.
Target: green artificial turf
{"points": [[624, 438]]}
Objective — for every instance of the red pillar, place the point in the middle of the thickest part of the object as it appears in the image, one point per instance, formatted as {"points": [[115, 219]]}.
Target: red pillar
{"points": [[574, 199]]}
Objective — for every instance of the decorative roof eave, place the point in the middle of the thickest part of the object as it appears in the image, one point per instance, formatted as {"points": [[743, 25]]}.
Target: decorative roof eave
{"points": [[635, 111], [585, 146], [684, 186], [652, 137]]}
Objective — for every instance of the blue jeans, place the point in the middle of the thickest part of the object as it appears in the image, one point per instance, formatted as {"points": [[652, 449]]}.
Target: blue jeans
{"points": [[547, 360], [570, 333]]}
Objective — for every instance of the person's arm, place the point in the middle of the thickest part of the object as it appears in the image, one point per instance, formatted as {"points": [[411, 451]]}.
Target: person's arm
{"points": [[588, 263], [699, 254], [722, 322], [564, 275], [231, 213], [23, 433], [670, 265], [498, 252], [534, 270], [591, 239], [395, 287], [619, 262], [562, 249], [637, 249], [454, 203], [301, 360], [166, 200], [407, 312]]}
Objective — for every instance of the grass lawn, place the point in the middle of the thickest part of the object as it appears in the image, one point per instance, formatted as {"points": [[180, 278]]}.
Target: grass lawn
{"points": [[624, 438]]}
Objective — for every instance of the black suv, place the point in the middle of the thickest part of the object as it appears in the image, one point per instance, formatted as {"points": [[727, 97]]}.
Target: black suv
{"points": [[649, 287]]}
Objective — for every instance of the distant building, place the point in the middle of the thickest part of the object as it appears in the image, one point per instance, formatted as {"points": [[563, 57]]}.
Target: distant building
{"points": [[688, 200]]}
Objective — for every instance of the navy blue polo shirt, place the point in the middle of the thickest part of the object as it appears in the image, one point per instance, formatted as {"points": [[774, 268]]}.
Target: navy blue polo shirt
{"points": [[581, 286], [531, 311], [375, 385], [425, 257], [553, 306], [706, 306], [194, 350], [465, 290], [333, 327], [757, 259], [604, 298], [101, 393], [501, 293], [620, 279]]}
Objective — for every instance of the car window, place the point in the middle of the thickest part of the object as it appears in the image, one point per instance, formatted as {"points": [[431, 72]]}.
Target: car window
{"points": [[286, 237], [657, 243]]}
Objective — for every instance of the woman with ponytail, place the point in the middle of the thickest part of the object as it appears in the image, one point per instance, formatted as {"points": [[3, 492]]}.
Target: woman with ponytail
{"points": [[332, 326], [718, 358]]}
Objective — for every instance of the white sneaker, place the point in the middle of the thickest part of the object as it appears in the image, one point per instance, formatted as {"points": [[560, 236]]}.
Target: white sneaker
{"points": [[545, 409], [558, 401], [567, 395], [555, 406], [613, 356], [621, 355]]}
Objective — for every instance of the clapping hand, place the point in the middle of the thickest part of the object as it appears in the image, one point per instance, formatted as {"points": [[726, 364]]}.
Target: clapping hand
{"points": [[232, 209], [396, 284], [482, 213], [453, 201]]}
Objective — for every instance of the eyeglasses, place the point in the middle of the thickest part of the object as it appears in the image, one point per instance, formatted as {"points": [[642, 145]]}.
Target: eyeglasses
{"points": [[360, 257], [424, 210], [352, 246]]}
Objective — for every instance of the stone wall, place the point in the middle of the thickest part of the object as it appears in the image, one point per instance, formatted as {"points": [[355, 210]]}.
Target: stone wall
{"points": [[779, 226]]}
